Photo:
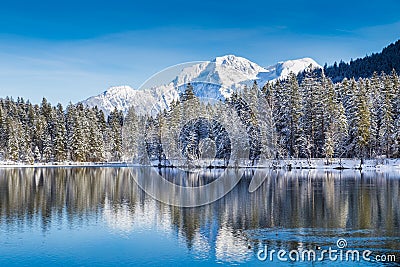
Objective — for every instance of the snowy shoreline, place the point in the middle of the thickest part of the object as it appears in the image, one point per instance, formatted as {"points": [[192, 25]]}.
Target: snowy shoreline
{"points": [[334, 164], [321, 164], [62, 164]]}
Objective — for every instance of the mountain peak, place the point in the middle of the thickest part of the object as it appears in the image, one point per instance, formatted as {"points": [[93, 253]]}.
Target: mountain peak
{"points": [[122, 89], [215, 79], [228, 59], [300, 64], [237, 63], [282, 69]]}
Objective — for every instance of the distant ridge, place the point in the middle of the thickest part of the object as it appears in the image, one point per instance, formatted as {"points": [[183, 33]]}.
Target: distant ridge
{"points": [[211, 79], [387, 60]]}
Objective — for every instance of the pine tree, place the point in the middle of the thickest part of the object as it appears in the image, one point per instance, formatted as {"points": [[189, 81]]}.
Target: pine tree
{"points": [[130, 135], [96, 141], [25, 150], [362, 122], [280, 100], [396, 114], [252, 98], [48, 153], [36, 154], [174, 118], [331, 105], [188, 93], [3, 142], [336, 130], [69, 127], [387, 128], [39, 133], [60, 135], [373, 90], [12, 143], [295, 112], [266, 123], [115, 122], [313, 118], [76, 137]]}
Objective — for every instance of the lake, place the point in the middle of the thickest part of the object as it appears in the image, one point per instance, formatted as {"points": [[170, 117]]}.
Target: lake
{"points": [[100, 217]]}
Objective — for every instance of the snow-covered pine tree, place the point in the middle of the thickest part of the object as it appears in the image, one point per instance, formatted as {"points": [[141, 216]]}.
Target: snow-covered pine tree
{"points": [[171, 137], [70, 114], [329, 113], [280, 100], [373, 89], [25, 150], [76, 138], [266, 124], [130, 135], [364, 123], [387, 115], [95, 138], [188, 94], [396, 115], [252, 125], [36, 154], [350, 91], [359, 120], [3, 142], [60, 153], [12, 140], [295, 114], [336, 123], [248, 118], [252, 99], [115, 123], [48, 152], [39, 133], [313, 118]]}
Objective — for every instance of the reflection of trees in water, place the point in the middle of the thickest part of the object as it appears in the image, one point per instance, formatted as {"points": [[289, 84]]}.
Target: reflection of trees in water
{"points": [[50, 193], [292, 200]]}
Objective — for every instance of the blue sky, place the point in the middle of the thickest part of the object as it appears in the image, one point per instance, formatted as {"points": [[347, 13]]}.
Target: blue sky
{"points": [[70, 50]]}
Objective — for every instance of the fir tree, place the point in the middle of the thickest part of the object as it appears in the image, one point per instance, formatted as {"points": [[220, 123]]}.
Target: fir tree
{"points": [[60, 135], [387, 119]]}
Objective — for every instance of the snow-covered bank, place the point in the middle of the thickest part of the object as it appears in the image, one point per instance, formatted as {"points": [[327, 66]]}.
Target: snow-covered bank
{"points": [[378, 164], [333, 164], [9, 164]]}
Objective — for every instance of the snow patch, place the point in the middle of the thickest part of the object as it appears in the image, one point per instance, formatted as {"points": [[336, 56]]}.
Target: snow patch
{"points": [[215, 79]]}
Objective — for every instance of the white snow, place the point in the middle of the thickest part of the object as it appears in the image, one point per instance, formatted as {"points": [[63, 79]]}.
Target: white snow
{"points": [[381, 165], [281, 70], [215, 79], [11, 164]]}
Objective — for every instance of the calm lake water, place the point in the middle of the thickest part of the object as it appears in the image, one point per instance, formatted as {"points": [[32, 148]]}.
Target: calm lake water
{"points": [[99, 217]]}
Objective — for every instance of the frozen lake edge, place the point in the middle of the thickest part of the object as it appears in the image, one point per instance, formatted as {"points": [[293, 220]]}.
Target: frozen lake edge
{"points": [[322, 164]]}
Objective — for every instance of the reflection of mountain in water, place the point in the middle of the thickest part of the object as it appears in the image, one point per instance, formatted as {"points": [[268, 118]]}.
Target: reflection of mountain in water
{"points": [[290, 208]]}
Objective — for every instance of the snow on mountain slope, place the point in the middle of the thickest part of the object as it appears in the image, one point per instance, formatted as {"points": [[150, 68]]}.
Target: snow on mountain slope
{"points": [[123, 97], [281, 70], [212, 79]]}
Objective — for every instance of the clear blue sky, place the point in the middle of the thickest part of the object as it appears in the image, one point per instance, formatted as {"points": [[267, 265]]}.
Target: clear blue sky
{"points": [[70, 50]]}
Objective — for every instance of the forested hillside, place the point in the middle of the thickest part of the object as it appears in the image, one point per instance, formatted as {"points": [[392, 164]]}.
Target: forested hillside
{"points": [[45, 133], [385, 61], [314, 119]]}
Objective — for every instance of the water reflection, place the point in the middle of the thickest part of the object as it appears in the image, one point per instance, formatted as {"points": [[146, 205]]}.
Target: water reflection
{"points": [[307, 208]]}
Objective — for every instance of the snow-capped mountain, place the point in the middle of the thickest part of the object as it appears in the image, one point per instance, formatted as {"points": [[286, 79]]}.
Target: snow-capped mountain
{"points": [[281, 70], [123, 97], [215, 79]]}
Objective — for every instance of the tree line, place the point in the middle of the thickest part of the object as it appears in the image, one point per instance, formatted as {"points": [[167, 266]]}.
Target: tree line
{"points": [[313, 118], [386, 60], [44, 133], [352, 118]]}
